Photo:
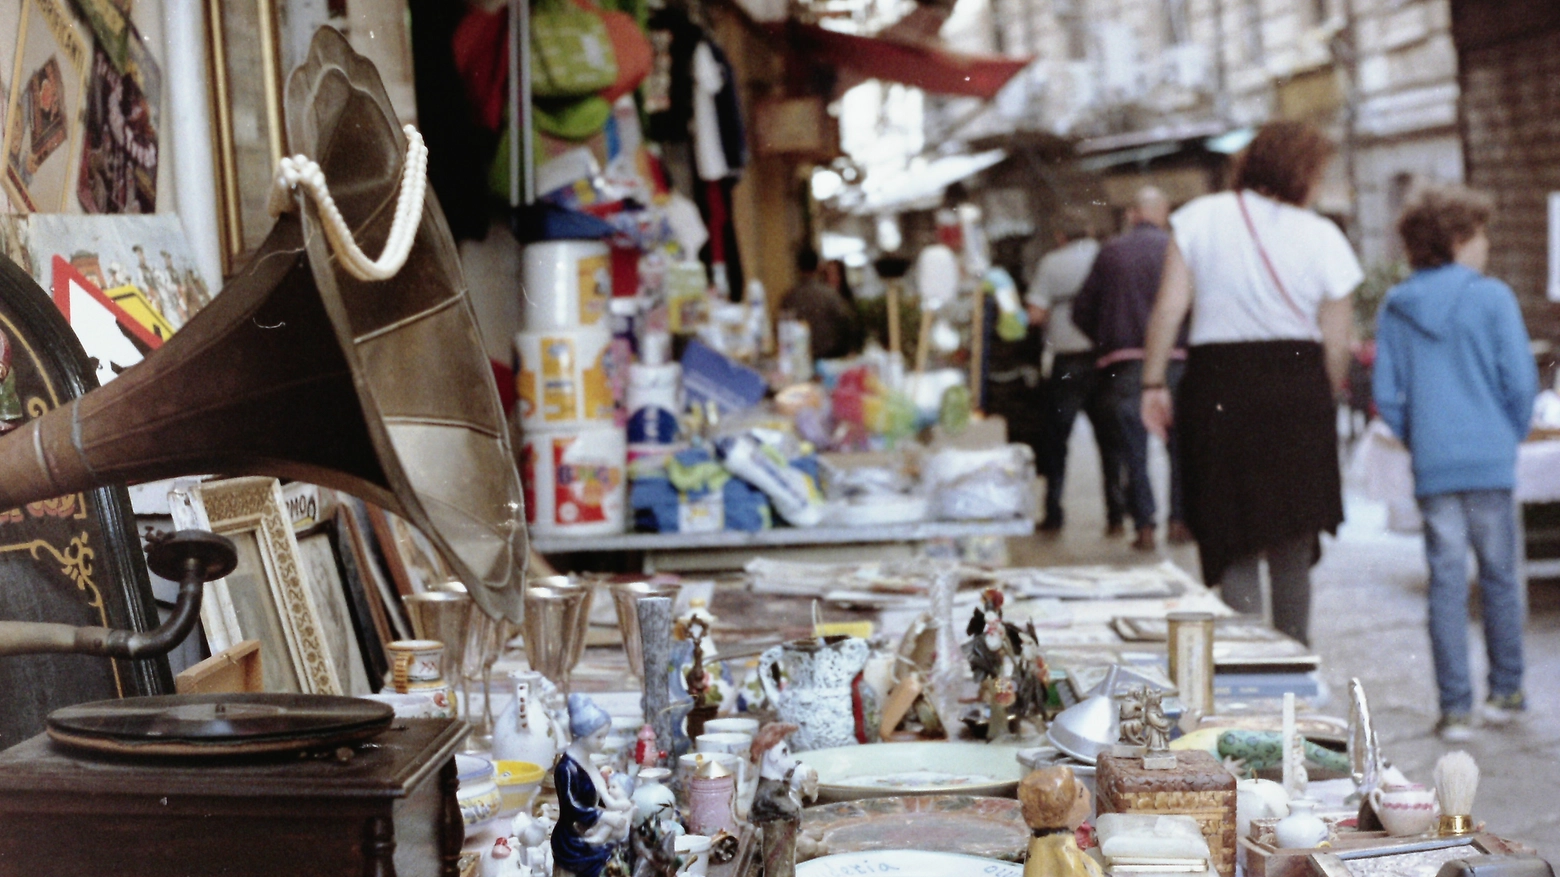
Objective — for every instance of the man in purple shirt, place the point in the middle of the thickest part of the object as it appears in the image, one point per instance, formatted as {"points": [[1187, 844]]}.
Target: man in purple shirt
{"points": [[1112, 309]]}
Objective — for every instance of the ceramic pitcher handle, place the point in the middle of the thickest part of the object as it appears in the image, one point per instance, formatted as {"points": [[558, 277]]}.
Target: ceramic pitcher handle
{"points": [[766, 680], [1375, 800], [398, 678]]}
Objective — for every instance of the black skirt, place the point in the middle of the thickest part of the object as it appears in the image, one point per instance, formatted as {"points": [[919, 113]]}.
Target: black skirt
{"points": [[1259, 448]]}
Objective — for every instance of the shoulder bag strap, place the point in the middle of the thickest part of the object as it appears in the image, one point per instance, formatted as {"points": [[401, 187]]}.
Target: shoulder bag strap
{"points": [[1240, 198]]}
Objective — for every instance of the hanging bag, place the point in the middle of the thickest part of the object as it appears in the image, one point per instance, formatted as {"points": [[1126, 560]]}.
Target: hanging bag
{"points": [[571, 51], [1240, 198]]}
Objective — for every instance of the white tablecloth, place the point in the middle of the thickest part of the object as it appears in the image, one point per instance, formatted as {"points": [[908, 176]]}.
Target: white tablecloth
{"points": [[1381, 466]]}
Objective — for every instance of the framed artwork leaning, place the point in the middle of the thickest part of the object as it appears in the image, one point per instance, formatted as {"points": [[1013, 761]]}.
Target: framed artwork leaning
{"points": [[73, 559], [44, 113], [336, 592], [268, 597]]}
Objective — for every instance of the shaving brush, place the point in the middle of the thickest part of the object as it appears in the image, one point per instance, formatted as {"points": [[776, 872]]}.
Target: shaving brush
{"points": [[1456, 783]]}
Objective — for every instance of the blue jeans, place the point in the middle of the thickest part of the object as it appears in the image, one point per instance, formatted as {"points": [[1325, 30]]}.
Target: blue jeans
{"points": [[1124, 387], [1486, 520]]}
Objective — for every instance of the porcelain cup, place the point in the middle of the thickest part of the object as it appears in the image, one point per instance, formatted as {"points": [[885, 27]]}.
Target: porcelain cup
{"points": [[697, 848], [740, 745], [1405, 810]]}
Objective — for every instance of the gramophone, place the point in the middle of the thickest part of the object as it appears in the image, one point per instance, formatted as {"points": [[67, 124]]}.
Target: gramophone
{"points": [[300, 368]]}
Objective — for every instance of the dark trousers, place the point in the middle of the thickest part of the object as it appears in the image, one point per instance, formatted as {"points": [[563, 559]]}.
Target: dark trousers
{"points": [[1075, 386], [1123, 383]]}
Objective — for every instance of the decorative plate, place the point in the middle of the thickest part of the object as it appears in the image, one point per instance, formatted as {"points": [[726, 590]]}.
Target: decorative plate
{"points": [[880, 770], [907, 863], [989, 827]]}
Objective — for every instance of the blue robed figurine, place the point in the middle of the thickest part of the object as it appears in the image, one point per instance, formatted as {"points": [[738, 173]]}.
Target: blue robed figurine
{"points": [[593, 818]]}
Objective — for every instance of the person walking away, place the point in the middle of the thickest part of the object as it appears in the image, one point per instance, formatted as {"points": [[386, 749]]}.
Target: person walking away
{"points": [[1455, 379], [1267, 355], [831, 320], [1112, 309], [1072, 379]]}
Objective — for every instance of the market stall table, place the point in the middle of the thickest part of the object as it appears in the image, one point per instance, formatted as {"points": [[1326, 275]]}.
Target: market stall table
{"points": [[730, 549], [1383, 466]]}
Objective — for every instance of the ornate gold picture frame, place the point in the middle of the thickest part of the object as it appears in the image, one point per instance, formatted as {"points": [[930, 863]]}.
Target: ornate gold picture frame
{"points": [[249, 134], [268, 598]]}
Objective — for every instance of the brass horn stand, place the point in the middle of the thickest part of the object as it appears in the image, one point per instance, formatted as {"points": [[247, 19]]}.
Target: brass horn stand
{"points": [[189, 557]]}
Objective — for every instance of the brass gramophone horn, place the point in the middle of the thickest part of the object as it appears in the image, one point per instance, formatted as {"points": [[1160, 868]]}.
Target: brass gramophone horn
{"points": [[297, 369]]}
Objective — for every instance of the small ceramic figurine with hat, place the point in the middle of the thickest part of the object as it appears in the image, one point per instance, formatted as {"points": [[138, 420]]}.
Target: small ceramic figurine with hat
{"points": [[1055, 803]]}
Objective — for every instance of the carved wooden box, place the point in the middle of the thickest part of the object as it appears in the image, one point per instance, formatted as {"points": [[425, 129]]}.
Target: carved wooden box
{"points": [[1198, 787]]}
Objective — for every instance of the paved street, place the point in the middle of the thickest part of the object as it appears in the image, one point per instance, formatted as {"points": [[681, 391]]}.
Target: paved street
{"points": [[1368, 620]]}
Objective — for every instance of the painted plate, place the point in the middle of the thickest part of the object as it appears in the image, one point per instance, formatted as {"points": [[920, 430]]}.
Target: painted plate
{"points": [[881, 770], [907, 863], [988, 827]]}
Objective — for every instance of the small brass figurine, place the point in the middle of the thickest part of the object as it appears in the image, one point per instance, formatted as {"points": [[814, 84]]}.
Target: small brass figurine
{"points": [[1156, 732]]}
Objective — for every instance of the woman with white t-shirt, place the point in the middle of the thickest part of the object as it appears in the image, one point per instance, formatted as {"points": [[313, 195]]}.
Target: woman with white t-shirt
{"points": [[1267, 282]]}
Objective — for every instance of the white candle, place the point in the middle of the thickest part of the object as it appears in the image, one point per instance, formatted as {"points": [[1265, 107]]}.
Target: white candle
{"points": [[1289, 743]]}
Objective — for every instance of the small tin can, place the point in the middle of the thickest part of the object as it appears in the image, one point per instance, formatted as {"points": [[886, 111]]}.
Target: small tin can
{"points": [[1191, 661]]}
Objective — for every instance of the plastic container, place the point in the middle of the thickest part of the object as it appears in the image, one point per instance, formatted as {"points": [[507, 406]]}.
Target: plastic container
{"points": [[568, 285], [575, 481], [565, 378]]}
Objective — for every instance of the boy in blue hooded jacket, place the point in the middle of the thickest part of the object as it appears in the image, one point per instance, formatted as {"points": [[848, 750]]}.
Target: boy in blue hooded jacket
{"points": [[1455, 380]]}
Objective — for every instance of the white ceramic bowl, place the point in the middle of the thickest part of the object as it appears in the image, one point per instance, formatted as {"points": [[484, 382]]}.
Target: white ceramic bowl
{"points": [[881, 770], [478, 794]]}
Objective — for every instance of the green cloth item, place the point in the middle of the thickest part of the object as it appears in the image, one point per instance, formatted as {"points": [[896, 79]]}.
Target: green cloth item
{"points": [[571, 51], [571, 120], [708, 475]]}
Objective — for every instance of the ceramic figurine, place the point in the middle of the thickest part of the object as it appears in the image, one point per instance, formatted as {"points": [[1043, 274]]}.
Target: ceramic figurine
{"points": [[991, 651], [655, 850], [1054, 805], [693, 628], [1034, 676], [593, 819], [524, 852], [1007, 663], [646, 753], [777, 807]]}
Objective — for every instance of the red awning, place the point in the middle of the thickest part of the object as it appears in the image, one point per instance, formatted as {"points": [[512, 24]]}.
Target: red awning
{"points": [[923, 65]]}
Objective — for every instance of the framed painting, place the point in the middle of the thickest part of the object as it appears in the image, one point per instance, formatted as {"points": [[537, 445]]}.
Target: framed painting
{"points": [[74, 559], [144, 264], [268, 597], [414, 564], [385, 604], [44, 113], [249, 134], [337, 603]]}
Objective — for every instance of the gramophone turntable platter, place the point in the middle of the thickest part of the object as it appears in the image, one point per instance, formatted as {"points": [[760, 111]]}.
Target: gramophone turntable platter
{"points": [[215, 725]]}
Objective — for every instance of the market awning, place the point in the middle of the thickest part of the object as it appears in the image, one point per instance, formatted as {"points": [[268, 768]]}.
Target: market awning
{"points": [[920, 181], [924, 65]]}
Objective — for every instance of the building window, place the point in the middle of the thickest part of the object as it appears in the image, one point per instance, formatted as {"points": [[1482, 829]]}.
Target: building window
{"points": [[1177, 30], [1069, 14], [1251, 29]]}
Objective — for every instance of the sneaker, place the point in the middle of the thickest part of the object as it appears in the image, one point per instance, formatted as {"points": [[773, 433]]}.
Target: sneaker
{"points": [[1455, 728], [1502, 708]]}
